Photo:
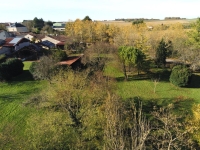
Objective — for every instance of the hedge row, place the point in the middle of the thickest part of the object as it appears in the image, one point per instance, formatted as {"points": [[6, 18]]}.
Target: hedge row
{"points": [[10, 68]]}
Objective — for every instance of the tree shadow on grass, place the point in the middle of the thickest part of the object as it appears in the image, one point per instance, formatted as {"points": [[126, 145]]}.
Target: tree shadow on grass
{"points": [[194, 82], [8, 97], [134, 77], [182, 105], [162, 75], [25, 76], [21, 95]]}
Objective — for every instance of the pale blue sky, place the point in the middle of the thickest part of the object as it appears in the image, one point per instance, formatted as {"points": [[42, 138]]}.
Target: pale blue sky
{"points": [[64, 10]]}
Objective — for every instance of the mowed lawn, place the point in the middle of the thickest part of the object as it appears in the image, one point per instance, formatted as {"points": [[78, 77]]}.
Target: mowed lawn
{"points": [[13, 94], [164, 90], [143, 88]]}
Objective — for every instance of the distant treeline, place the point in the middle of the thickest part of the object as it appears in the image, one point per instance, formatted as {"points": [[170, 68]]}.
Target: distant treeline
{"points": [[174, 18], [145, 19], [134, 19]]}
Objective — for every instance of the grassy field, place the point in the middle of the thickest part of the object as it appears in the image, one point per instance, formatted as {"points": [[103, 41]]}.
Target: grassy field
{"points": [[142, 87], [12, 95]]}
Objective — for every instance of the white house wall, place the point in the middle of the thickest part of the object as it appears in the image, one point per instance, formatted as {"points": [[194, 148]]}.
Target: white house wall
{"points": [[59, 29], [4, 35], [29, 37], [17, 29]]}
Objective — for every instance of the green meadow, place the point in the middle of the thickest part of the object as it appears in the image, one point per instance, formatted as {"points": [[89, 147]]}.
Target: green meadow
{"points": [[142, 87], [13, 94]]}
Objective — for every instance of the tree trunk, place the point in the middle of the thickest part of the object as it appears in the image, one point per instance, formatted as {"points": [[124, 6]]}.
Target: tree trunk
{"points": [[125, 75]]}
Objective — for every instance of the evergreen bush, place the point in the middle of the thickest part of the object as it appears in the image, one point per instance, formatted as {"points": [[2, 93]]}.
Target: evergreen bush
{"points": [[11, 68], [180, 75]]}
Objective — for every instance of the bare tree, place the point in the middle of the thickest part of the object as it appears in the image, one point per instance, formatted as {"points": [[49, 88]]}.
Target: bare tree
{"points": [[126, 125], [114, 132], [169, 132], [97, 55], [155, 82]]}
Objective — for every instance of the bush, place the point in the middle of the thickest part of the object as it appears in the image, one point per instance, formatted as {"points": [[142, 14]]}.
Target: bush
{"points": [[11, 68], [59, 55], [180, 75], [32, 67], [2, 58], [43, 69]]}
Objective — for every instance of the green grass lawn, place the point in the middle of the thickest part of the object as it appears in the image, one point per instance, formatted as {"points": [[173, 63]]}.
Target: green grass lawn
{"points": [[143, 89], [12, 95]]}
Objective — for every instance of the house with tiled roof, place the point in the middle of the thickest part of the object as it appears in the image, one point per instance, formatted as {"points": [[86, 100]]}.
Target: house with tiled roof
{"points": [[37, 37], [16, 27], [11, 45], [58, 41]]}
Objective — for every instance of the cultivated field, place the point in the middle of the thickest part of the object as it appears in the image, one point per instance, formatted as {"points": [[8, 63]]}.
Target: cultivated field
{"points": [[152, 23]]}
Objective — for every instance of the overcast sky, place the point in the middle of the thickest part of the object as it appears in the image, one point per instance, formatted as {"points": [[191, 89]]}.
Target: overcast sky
{"points": [[64, 10]]}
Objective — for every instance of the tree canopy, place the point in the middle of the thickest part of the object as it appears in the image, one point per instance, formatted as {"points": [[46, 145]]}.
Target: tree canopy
{"points": [[38, 23], [87, 18]]}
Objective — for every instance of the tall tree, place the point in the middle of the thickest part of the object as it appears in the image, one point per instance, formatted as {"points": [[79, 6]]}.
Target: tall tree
{"points": [[194, 34], [131, 56], [50, 23], [87, 18], [193, 43], [161, 54], [97, 55], [38, 23], [124, 58], [28, 24]]}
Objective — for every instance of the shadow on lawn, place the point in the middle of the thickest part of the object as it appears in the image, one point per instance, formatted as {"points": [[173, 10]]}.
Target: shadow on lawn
{"points": [[182, 105], [25, 76], [194, 82], [8, 97], [134, 77], [21, 94], [161, 75]]}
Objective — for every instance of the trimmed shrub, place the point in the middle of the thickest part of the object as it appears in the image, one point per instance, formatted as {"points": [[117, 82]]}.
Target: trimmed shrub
{"points": [[180, 75], [11, 68]]}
